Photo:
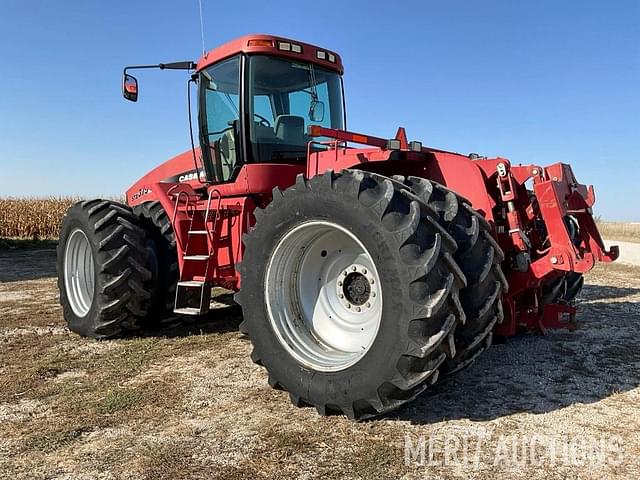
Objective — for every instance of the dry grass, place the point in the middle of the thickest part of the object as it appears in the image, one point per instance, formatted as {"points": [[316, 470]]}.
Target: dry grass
{"points": [[189, 403], [33, 218], [620, 231]]}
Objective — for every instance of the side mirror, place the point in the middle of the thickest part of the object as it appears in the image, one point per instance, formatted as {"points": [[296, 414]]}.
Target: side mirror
{"points": [[130, 87], [316, 111]]}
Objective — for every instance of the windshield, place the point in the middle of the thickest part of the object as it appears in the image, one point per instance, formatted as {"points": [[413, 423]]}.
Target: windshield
{"points": [[285, 97]]}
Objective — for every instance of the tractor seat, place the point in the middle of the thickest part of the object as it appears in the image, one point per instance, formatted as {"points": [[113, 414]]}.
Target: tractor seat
{"points": [[227, 154], [290, 129]]}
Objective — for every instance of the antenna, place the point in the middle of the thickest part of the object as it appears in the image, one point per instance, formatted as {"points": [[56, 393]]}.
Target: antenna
{"points": [[201, 27]]}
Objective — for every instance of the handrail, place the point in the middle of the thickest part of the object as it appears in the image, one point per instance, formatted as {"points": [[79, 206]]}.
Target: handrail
{"points": [[173, 218], [206, 215]]}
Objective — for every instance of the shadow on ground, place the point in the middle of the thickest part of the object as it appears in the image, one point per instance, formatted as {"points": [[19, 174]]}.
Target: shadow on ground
{"points": [[21, 244], [539, 374], [528, 373], [607, 292], [18, 265], [226, 317]]}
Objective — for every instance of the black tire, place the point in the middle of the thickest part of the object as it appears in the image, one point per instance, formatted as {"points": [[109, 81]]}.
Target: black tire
{"points": [[575, 282], [563, 289], [161, 243], [566, 287], [120, 298], [420, 283], [479, 256]]}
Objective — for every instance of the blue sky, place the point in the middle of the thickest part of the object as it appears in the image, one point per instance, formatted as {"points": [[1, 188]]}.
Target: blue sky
{"points": [[536, 82]]}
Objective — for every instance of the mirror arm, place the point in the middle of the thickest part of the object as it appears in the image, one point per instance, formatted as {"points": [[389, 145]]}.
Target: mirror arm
{"points": [[163, 66]]}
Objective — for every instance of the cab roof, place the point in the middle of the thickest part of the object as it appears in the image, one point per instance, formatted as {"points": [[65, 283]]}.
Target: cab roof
{"points": [[272, 45]]}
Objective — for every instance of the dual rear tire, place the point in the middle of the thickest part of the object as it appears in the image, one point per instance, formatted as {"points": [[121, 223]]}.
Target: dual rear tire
{"points": [[479, 257], [317, 253]]}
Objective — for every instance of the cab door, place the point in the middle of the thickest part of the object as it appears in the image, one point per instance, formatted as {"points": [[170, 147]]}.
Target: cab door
{"points": [[219, 119]]}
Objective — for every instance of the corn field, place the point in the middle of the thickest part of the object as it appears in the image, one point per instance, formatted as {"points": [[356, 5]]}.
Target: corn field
{"points": [[33, 218], [39, 218]]}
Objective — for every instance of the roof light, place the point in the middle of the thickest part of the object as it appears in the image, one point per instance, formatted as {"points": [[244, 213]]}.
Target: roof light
{"points": [[296, 48], [286, 46], [258, 42], [332, 58], [393, 144], [322, 55], [363, 139], [415, 146]]}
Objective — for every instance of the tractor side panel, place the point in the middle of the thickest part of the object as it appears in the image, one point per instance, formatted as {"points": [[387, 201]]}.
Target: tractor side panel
{"points": [[455, 171], [463, 176]]}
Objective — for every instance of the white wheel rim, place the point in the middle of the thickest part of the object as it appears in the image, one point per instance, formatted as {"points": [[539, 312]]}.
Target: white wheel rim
{"points": [[79, 272], [323, 296]]}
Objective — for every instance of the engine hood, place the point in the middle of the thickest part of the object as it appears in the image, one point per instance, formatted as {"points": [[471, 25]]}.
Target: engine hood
{"points": [[179, 169]]}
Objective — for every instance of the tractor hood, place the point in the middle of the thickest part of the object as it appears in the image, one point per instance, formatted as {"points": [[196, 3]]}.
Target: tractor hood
{"points": [[179, 169]]}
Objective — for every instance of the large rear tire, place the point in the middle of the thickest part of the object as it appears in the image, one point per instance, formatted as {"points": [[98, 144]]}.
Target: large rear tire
{"points": [[102, 269], [479, 257], [334, 244]]}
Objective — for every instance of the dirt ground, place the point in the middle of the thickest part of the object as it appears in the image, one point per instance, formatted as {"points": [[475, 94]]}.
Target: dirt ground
{"points": [[189, 403]]}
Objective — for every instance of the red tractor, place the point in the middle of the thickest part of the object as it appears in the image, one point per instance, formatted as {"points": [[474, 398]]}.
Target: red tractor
{"points": [[364, 274]]}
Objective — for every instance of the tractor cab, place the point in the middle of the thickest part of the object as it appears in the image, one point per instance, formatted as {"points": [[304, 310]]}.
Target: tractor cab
{"points": [[278, 97], [257, 96]]}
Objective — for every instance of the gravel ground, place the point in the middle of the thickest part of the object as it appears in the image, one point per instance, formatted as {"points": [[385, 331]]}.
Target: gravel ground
{"points": [[189, 403]]}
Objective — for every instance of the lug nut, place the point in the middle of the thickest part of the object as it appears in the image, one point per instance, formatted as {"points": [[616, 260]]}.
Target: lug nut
{"points": [[358, 309], [371, 281], [373, 294], [339, 284], [341, 296], [348, 305], [554, 260], [364, 271], [354, 268], [368, 305]]}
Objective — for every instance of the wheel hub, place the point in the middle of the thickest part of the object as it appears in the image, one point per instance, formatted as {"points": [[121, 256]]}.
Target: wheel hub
{"points": [[323, 296], [356, 288], [79, 272]]}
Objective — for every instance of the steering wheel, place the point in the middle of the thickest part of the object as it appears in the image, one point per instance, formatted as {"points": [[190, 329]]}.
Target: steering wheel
{"points": [[219, 132], [263, 121]]}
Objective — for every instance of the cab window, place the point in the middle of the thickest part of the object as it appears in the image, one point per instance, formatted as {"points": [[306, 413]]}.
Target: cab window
{"points": [[285, 97], [220, 117]]}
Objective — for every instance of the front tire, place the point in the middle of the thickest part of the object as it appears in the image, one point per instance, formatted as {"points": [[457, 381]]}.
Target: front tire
{"points": [[362, 363], [102, 269]]}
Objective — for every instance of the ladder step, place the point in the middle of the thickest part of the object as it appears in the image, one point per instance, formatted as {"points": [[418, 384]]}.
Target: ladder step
{"points": [[197, 232], [187, 311], [196, 257], [191, 283]]}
